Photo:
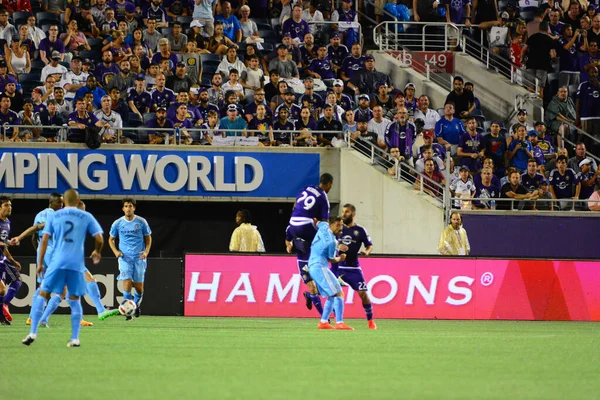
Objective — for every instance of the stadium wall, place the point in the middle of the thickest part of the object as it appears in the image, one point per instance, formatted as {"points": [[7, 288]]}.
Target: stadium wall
{"points": [[416, 288]]}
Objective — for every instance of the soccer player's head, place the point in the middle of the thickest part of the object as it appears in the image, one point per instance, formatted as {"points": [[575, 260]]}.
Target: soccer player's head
{"points": [[128, 206], [71, 198], [81, 205], [326, 182], [336, 225], [348, 213], [56, 201], [243, 217], [5, 206]]}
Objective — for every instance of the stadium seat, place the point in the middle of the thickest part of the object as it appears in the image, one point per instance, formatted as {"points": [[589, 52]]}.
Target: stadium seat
{"points": [[208, 71], [17, 15], [206, 82], [486, 125], [37, 65], [267, 48], [527, 15], [268, 36], [185, 19], [210, 57], [28, 86], [33, 76], [45, 15], [264, 27], [572, 92], [148, 116], [134, 119], [478, 114], [441, 111], [262, 20]]}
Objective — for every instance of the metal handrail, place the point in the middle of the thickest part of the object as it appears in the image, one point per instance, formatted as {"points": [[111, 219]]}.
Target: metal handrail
{"points": [[468, 203], [379, 34]]}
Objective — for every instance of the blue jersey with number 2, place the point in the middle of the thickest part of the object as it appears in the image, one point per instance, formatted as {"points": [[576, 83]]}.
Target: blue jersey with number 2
{"points": [[69, 227]]}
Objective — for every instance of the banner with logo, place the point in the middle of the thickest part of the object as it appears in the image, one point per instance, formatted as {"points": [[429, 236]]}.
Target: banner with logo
{"points": [[158, 172], [428, 288], [162, 287]]}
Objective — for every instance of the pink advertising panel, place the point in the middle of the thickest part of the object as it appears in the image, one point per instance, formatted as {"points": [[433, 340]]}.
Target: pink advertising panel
{"points": [[443, 288]]}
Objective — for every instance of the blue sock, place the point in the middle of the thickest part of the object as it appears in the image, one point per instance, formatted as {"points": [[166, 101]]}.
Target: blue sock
{"points": [[13, 288], [327, 310], [127, 295], [316, 300], [338, 307], [76, 316], [369, 311], [137, 298], [53, 304], [35, 296], [93, 291], [37, 309]]}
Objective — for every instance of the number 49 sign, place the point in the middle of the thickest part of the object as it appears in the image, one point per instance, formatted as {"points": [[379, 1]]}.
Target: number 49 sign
{"points": [[443, 60]]}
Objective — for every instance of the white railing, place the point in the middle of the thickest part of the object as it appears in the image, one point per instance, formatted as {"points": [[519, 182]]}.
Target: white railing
{"points": [[423, 36]]}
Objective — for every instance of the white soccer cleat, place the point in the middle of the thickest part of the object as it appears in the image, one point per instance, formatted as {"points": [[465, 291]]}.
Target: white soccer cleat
{"points": [[74, 343], [29, 339]]}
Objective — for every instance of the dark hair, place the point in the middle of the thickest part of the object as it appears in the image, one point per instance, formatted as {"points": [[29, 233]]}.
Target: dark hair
{"points": [[469, 83], [458, 78], [128, 200], [54, 196], [334, 218], [4, 199], [450, 103], [532, 160], [273, 71], [561, 158], [79, 100], [247, 217], [350, 206], [544, 25], [177, 23], [326, 179], [233, 71], [471, 119]]}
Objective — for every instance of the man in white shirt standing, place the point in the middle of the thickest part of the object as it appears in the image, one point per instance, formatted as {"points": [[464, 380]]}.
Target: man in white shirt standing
{"points": [[379, 125], [74, 79]]}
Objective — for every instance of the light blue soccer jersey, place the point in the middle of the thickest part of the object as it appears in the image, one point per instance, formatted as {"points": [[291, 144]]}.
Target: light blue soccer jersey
{"points": [[131, 235], [323, 247], [42, 218], [69, 227]]}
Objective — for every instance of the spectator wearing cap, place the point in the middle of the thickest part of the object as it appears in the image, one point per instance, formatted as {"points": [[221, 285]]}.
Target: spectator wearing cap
{"points": [[364, 140], [29, 117], [564, 183], [470, 146], [463, 187], [17, 57], [81, 119], [310, 99], [401, 134], [286, 67], [157, 136], [180, 81], [155, 11], [229, 62], [343, 100], [151, 35], [138, 98], [336, 52], [495, 146], [588, 179], [363, 111], [164, 52], [289, 102], [108, 117], [588, 107], [379, 124], [464, 101], [54, 68], [354, 62], [231, 25], [581, 155], [295, 25], [448, 129], [382, 97], [522, 116], [560, 111], [365, 79], [123, 80], [321, 67], [131, 19], [438, 149], [410, 101], [177, 40], [16, 98], [38, 104], [328, 123], [91, 87], [203, 13], [429, 116], [233, 121], [498, 33], [51, 44], [345, 14]]}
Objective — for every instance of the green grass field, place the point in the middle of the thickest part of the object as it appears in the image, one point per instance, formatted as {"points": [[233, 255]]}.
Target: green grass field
{"points": [[177, 358]]}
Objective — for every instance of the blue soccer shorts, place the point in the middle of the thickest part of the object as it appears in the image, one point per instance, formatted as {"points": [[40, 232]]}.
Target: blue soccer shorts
{"points": [[56, 279], [326, 282], [131, 268]]}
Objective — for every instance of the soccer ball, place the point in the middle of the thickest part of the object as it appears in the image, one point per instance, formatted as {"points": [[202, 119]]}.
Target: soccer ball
{"points": [[127, 308]]}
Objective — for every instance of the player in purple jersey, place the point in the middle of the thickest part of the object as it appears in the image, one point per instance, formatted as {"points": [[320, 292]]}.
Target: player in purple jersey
{"points": [[353, 237], [311, 204], [10, 278]]}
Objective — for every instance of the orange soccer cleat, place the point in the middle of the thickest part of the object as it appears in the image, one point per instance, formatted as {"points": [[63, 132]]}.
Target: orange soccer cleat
{"points": [[6, 312], [324, 325], [85, 323], [372, 324], [340, 326]]}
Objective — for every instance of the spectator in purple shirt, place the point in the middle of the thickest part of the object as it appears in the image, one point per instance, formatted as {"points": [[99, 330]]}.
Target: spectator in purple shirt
{"points": [[470, 146], [563, 182], [485, 189], [161, 121], [80, 120], [106, 69], [295, 25], [50, 44], [8, 116]]}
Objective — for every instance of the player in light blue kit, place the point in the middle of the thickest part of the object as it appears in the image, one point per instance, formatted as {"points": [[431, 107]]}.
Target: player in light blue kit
{"points": [[322, 252], [68, 227], [135, 240]]}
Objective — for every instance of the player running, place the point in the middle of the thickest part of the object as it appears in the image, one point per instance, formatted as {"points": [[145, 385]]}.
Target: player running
{"points": [[92, 290], [68, 227], [10, 278], [311, 203], [135, 240], [353, 237], [322, 252]]}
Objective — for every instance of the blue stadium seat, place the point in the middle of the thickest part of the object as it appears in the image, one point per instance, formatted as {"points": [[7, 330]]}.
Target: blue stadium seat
{"points": [[210, 57], [45, 15], [134, 119], [185, 19], [268, 36], [148, 116], [33, 76], [267, 48]]}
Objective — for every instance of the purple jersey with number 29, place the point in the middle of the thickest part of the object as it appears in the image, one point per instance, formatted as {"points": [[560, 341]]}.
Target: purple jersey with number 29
{"points": [[311, 202]]}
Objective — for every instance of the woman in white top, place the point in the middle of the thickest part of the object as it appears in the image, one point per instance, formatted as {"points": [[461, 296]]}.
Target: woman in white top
{"points": [[17, 58], [35, 33]]}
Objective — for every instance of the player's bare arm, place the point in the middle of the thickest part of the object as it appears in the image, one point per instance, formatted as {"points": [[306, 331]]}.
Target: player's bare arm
{"points": [[148, 243], [113, 247]]}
